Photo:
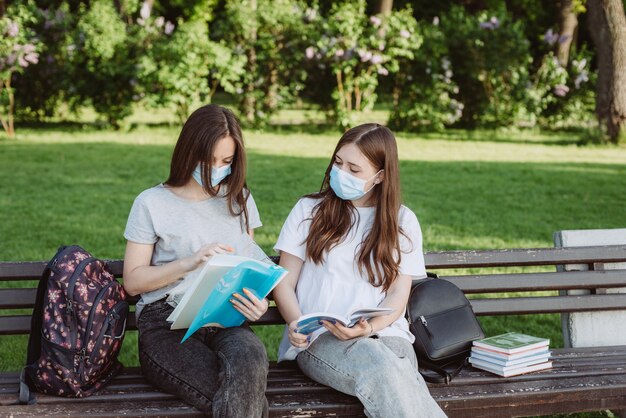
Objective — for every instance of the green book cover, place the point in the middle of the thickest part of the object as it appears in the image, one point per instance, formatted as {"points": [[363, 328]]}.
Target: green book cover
{"points": [[512, 342]]}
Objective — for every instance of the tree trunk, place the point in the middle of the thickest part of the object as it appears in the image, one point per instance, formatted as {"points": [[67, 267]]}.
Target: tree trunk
{"points": [[568, 22], [614, 12], [607, 25], [249, 101], [383, 7], [2, 8], [598, 30]]}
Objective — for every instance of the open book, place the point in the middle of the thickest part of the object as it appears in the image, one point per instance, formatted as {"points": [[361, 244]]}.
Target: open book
{"points": [[309, 323], [206, 301]]}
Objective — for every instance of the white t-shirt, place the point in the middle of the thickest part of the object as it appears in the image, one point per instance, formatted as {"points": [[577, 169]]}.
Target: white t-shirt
{"points": [[179, 227], [336, 285]]}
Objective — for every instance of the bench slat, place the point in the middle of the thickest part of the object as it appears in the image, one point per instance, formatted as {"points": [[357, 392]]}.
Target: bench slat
{"points": [[557, 390], [524, 282], [434, 260], [525, 257], [548, 304], [530, 282], [20, 324]]}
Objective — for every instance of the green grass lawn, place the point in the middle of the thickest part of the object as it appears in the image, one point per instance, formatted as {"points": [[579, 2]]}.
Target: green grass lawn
{"points": [[73, 184]]}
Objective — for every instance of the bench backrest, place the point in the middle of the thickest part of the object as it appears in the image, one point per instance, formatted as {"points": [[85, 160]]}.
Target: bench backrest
{"points": [[490, 293]]}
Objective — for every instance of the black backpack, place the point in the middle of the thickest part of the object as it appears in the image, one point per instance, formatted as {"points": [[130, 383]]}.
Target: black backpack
{"points": [[77, 327], [444, 325]]}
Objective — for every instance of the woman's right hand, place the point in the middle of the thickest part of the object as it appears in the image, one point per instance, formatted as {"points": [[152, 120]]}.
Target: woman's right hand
{"points": [[202, 255], [295, 338]]}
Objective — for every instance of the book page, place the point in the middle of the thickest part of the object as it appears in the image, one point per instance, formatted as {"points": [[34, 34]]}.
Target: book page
{"points": [[201, 288]]}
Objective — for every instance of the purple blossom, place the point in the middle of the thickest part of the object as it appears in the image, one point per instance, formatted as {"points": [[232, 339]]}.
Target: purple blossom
{"points": [[377, 59], [383, 71], [436, 20], [580, 65], [564, 38], [310, 15], [13, 29], [550, 37], [405, 33], [365, 56], [32, 57], [169, 28], [560, 90], [339, 53], [381, 47], [159, 21], [491, 24], [581, 78], [375, 21], [145, 10], [310, 52], [28, 48]]}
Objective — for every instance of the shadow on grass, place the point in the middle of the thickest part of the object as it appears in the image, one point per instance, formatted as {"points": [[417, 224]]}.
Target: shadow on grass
{"points": [[556, 138]]}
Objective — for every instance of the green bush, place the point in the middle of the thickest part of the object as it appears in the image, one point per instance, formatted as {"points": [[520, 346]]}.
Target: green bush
{"points": [[19, 49], [103, 61], [424, 93], [490, 58], [270, 39], [358, 50], [181, 66]]}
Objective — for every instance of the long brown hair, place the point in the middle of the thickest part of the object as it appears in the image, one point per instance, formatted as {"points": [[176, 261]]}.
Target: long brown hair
{"points": [[379, 255], [195, 145]]}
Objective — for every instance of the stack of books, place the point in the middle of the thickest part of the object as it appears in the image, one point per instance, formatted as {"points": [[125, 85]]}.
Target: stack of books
{"points": [[511, 354]]}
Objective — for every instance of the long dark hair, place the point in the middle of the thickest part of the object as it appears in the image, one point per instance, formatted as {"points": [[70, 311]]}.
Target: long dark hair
{"points": [[379, 255], [195, 145]]}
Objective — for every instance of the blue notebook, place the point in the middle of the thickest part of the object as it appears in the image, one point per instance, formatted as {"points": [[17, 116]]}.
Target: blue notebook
{"points": [[207, 299]]}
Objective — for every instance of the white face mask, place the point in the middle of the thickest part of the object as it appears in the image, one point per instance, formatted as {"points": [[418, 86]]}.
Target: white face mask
{"points": [[348, 187], [217, 174]]}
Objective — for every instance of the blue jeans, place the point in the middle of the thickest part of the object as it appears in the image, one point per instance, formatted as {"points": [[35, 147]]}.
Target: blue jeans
{"points": [[221, 371], [381, 372]]}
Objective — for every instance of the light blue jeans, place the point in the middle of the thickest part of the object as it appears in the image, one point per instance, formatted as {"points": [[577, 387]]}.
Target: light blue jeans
{"points": [[381, 372]]}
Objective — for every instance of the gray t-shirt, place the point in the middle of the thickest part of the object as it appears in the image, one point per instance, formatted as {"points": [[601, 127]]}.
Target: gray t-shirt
{"points": [[178, 228]]}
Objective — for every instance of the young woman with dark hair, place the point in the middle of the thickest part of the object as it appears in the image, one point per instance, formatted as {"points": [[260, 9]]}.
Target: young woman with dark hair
{"points": [[202, 209], [353, 245]]}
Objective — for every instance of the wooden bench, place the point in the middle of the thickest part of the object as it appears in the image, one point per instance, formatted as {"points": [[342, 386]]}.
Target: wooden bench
{"points": [[582, 379]]}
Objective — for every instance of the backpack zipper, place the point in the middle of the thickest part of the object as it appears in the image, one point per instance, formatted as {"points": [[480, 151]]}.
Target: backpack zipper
{"points": [[83, 352], [70, 297]]}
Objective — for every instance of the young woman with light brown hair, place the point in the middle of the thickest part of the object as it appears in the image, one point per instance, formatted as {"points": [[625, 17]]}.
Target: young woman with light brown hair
{"points": [[353, 245], [202, 209]]}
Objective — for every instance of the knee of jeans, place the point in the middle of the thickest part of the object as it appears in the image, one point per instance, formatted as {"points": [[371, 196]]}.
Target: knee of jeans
{"points": [[251, 361]]}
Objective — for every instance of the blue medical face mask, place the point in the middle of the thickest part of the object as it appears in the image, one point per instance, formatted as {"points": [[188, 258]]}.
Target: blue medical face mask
{"points": [[348, 187], [217, 174]]}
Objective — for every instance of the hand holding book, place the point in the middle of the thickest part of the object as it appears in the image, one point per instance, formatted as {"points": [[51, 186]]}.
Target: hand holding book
{"points": [[249, 305]]}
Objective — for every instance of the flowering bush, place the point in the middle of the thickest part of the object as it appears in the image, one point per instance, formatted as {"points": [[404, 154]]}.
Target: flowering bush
{"points": [[358, 50], [562, 95], [424, 93], [19, 49], [270, 41], [490, 59], [181, 65], [102, 57]]}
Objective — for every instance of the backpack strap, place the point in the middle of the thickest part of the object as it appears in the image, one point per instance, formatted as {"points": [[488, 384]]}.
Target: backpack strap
{"points": [[444, 376], [34, 339], [26, 397]]}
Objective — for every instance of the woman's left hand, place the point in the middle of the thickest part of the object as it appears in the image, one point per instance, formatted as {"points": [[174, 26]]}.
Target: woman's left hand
{"points": [[249, 305], [360, 329]]}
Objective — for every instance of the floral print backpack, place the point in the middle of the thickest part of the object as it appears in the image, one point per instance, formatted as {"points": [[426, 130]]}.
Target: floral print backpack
{"points": [[77, 327]]}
